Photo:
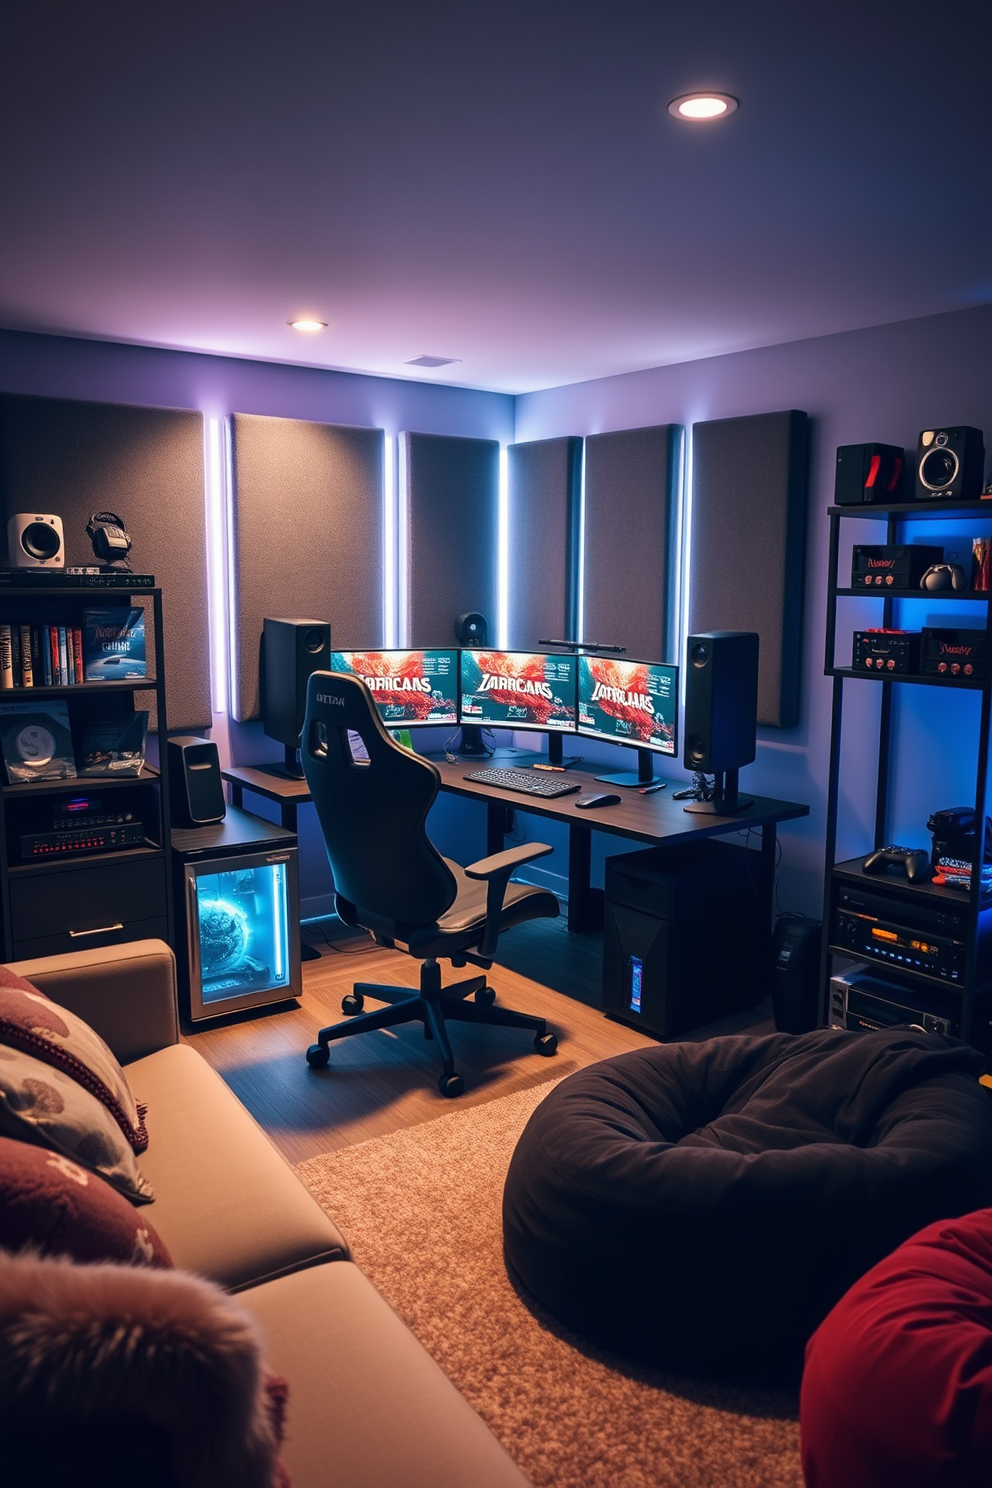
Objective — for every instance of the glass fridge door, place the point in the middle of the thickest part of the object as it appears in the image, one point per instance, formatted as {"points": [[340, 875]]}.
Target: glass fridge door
{"points": [[244, 947]]}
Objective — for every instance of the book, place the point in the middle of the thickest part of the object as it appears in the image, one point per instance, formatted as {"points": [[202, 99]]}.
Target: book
{"points": [[36, 742], [15, 645], [114, 745], [77, 651], [6, 658], [63, 658], [53, 654], [70, 655], [27, 664], [113, 643]]}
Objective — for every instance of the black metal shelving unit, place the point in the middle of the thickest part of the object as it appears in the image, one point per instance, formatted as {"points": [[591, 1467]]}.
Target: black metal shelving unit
{"points": [[976, 985], [105, 897]]}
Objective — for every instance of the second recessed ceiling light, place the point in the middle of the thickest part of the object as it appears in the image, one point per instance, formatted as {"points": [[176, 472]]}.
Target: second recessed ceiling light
{"points": [[701, 106], [308, 325]]}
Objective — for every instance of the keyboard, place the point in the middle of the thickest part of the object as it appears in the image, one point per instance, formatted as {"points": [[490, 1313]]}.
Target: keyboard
{"points": [[531, 782]]}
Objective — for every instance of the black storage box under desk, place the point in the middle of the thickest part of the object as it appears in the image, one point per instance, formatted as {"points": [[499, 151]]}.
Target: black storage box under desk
{"points": [[686, 938]]}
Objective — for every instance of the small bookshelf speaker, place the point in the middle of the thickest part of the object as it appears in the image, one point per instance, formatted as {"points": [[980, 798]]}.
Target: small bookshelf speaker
{"points": [[196, 789], [35, 541]]}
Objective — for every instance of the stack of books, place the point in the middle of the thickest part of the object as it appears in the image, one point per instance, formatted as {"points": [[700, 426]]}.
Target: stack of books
{"points": [[109, 645], [954, 873]]}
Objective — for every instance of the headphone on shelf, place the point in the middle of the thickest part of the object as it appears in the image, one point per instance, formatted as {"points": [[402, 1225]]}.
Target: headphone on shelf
{"points": [[111, 540]]}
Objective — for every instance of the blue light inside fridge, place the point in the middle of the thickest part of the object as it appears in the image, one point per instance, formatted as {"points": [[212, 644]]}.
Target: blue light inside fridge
{"points": [[243, 929]]}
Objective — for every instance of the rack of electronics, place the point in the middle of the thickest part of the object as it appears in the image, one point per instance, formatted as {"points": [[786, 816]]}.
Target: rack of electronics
{"points": [[577, 693], [912, 925], [84, 818]]}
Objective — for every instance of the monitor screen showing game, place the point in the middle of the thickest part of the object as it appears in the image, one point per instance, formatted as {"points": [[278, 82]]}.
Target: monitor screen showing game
{"points": [[409, 687], [629, 702], [518, 689]]}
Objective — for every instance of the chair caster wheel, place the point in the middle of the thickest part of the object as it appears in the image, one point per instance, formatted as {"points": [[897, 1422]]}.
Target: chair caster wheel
{"points": [[486, 996], [352, 1003], [451, 1085], [546, 1043], [318, 1056]]}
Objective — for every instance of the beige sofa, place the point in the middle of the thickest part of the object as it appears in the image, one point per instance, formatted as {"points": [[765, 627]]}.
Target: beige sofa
{"points": [[368, 1407]]}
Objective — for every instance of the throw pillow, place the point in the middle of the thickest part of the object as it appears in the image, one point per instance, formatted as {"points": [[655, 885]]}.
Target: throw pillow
{"points": [[51, 1203], [42, 1105], [162, 1355], [32, 1022]]}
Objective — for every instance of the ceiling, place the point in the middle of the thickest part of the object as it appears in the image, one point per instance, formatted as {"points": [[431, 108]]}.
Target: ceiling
{"points": [[492, 180]]}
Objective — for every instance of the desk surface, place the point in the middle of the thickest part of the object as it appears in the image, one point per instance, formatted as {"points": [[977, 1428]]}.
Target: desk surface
{"points": [[651, 818]]}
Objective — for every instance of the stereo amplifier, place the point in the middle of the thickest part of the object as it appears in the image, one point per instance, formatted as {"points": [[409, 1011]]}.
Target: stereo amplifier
{"points": [[863, 1002], [925, 939], [81, 840]]}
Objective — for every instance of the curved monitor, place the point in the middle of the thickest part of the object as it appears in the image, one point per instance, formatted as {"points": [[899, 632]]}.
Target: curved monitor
{"points": [[411, 688], [629, 702], [518, 690]]}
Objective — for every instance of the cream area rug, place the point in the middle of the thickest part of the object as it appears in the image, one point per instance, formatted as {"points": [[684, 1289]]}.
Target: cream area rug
{"points": [[421, 1209]]}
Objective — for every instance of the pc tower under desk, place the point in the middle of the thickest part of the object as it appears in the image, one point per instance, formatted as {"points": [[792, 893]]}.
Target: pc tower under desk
{"points": [[685, 936], [237, 912]]}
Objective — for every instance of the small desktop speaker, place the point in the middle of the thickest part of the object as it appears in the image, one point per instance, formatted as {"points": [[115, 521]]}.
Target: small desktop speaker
{"points": [[35, 541], [721, 700], [291, 650], [950, 463], [869, 472], [196, 790]]}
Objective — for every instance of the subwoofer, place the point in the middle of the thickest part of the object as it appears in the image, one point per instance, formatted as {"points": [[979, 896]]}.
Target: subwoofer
{"points": [[950, 464], [196, 790], [721, 712], [291, 650]]}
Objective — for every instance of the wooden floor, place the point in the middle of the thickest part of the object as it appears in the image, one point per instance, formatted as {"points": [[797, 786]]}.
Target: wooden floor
{"points": [[381, 1081]]}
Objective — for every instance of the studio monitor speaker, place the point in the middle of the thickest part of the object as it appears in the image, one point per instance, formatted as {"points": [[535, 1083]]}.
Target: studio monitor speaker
{"points": [[196, 790], [721, 700], [35, 541], [950, 463], [291, 650]]}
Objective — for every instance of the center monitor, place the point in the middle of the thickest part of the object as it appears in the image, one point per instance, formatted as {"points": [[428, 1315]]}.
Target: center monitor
{"points": [[629, 702], [411, 688], [518, 690]]}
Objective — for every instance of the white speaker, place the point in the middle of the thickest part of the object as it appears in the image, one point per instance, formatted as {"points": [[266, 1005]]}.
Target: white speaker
{"points": [[35, 541]]}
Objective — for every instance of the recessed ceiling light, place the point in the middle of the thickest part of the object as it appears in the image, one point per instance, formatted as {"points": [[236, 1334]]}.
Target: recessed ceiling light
{"points": [[432, 361], [308, 325], [699, 106]]}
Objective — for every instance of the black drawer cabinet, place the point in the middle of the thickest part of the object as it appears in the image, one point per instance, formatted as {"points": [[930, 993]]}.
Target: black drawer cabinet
{"points": [[87, 906]]}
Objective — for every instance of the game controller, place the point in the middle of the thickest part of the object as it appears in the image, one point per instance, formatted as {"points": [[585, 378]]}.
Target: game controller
{"points": [[914, 861], [944, 576]]}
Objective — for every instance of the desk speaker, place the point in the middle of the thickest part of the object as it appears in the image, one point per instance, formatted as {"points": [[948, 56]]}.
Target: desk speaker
{"points": [[291, 650], [950, 463], [721, 700], [196, 790]]}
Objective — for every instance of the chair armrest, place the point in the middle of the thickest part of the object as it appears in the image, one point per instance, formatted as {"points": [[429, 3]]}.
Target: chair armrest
{"points": [[506, 861], [127, 993], [495, 872]]}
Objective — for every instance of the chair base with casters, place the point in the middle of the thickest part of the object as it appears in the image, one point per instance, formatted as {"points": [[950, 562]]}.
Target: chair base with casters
{"points": [[372, 805], [430, 1006]]}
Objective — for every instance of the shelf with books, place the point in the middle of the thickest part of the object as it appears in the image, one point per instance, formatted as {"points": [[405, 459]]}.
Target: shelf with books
{"points": [[79, 801]]}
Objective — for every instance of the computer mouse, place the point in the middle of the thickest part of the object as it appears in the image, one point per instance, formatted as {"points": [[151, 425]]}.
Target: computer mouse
{"points": [[597, 798]]}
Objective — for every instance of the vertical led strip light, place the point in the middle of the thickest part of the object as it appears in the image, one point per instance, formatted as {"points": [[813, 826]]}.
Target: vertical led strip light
{"points": [[217, 486], [390, 577], [400, 506], [503, 552], [580, 584], [685, 555]]}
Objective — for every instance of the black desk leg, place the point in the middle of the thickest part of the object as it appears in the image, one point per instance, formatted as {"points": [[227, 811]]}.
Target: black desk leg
{"points": [[287, 816], [768, 847], [237, 794], [585, 904], [496, 825]]}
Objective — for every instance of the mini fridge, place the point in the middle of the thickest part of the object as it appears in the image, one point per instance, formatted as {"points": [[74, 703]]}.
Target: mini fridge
{"points": [[237, 913]]}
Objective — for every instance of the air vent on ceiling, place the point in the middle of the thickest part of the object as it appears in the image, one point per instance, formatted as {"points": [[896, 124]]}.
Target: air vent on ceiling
{"points": [[431, 361]]}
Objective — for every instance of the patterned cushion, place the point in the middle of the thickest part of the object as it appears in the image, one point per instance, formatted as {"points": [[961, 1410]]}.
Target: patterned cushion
{"points": [[49, 1202], [43, 1105], [32, 1022]]}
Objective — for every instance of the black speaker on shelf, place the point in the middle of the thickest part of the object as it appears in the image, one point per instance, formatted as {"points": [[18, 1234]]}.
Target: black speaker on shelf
{"points": [[869, 472], [291, 650], [196, 790], [721, 713], [950, 464]]}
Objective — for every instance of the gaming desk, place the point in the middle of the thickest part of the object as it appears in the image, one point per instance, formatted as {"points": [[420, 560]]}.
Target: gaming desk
{"points": [[654, 820]]}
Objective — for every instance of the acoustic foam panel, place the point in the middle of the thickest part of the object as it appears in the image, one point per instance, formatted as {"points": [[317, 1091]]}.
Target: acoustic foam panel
{"points": [[748, 548], [308, 536], [545, 478], [451, 490], [146, 464], [631, 539]]}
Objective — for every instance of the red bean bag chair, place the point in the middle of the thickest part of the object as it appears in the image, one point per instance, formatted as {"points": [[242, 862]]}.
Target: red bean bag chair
{"points": [[898, 1381]]}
